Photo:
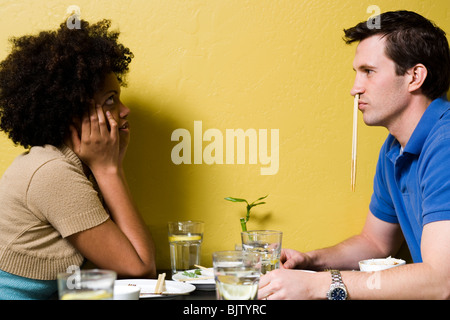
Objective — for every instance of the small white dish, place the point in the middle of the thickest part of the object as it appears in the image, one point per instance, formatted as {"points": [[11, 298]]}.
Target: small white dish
{"points": [[380, 264], [122, 292], [199, 282]]}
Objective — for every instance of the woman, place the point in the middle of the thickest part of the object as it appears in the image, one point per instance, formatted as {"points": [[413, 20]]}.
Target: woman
{"points": [[66, 199]]}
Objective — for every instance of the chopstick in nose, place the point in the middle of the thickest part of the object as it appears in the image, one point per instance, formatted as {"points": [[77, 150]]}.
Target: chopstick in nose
{"points": [[354, 141]]}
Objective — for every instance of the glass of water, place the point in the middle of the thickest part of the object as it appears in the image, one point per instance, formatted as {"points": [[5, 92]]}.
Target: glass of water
{"points": [[236, 274], [185, 240], [265, 242]]}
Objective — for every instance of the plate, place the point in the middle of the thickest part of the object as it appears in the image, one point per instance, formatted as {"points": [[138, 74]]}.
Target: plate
{"points": [[148, 287], [310, 271], [199, 283], [380, 264]]}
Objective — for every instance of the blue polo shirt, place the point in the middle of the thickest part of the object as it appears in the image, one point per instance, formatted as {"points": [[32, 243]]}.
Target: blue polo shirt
{"points": [[412, 187]]}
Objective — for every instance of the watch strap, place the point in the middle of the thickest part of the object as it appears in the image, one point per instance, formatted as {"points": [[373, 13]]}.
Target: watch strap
{"points": [[336, 282], [336, 277]]}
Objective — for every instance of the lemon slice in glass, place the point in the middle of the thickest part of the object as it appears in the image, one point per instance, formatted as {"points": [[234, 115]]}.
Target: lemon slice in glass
{"points": [[238, 291], [87, 295], [179, 238]]}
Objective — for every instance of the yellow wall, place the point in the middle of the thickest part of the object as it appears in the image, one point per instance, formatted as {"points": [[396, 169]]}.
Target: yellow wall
{"points": [[253, 64]]}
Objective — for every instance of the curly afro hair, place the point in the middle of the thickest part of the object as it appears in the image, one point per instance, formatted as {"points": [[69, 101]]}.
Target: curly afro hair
{"points": [[48, 79]]}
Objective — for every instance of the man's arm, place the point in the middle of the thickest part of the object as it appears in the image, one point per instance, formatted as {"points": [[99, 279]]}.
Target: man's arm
{"points": [[427, 280], [377, 239]]}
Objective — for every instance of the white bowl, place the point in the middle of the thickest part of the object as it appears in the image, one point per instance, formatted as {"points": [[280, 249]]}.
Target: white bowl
{"points": [[126, 292], [380, 264]]}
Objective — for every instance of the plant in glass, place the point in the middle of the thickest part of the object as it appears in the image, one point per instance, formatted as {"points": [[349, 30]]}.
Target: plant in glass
{"points": [[249, 207]]}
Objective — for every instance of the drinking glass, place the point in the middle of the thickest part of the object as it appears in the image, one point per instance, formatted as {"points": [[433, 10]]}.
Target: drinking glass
{"points": [[265, 242], [185, 239], [236, 274], [86, 284]]}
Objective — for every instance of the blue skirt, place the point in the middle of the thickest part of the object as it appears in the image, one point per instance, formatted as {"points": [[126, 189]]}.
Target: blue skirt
{"points": [[14, 287]]}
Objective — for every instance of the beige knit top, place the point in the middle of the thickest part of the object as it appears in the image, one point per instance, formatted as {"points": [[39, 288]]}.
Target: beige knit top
{"points": [[45, 197]]}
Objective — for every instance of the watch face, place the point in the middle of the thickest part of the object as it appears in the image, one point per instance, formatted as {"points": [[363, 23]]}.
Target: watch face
{"points": [[338, 294]]}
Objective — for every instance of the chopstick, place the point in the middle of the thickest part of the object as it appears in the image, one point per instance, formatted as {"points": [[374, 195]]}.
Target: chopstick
{"points": [[354, 141], [200, 267], [160, 284]]}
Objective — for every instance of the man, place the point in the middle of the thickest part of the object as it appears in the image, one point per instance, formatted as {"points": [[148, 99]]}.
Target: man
{"points": [[402, 76]]}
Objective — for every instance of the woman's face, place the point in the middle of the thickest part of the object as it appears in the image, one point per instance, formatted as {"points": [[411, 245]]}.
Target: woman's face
{"points": [[109, 98]]}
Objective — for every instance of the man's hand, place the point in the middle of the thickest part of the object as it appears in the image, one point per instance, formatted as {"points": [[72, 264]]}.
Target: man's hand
{"points": [[292, 259], [282, 284]]}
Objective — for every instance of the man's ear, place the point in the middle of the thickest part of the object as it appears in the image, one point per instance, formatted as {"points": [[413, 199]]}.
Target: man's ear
{"points": [[418, 74]]}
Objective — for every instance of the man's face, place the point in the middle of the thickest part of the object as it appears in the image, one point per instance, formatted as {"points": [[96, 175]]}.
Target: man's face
{"points": [[383, 94]]}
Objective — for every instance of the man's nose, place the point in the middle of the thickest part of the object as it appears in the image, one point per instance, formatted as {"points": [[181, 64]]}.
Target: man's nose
{"points": [[357, 88]]}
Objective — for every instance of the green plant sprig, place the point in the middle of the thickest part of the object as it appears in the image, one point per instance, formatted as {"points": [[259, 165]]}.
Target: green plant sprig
{"points": [[249, 207]]}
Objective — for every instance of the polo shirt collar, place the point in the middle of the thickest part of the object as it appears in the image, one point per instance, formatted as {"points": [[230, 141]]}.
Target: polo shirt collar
{"points": [[432, 114]]}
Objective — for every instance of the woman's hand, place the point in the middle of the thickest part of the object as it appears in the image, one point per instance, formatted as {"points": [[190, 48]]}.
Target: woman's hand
{"points": [[124, 140], [98, 146]]}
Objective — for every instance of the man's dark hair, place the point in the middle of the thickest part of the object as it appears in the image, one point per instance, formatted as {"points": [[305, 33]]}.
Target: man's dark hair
{"points": [[411, 39], [47, 79]]}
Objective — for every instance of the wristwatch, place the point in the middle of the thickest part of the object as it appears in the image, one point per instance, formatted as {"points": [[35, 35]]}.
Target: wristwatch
{"points": [[337, 291]]}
